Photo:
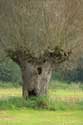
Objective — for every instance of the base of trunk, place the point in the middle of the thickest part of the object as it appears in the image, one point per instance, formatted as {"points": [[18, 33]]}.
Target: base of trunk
{"points": [[27, 93], [36, 79]]}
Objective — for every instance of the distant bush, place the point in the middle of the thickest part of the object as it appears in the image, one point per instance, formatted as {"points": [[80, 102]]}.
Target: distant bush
{"points": [[10, 72]]}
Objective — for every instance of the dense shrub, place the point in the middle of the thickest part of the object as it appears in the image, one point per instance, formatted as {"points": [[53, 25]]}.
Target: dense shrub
{"points": [[9, 71]]}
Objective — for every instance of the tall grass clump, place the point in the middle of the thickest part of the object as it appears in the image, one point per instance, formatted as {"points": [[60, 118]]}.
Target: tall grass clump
{"points": [[38, 103]]}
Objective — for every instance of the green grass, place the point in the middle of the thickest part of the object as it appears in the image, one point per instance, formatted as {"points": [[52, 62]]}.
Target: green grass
{"points": [[39, 117], [63, 106], [70, 98], [64, 85]]}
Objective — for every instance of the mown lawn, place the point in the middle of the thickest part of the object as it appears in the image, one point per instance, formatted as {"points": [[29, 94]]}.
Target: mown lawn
{"points": [[29, 116], [42, 117]]}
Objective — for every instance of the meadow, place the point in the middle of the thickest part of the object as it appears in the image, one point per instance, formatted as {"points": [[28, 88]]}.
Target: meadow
{"points": [[62, 106]]}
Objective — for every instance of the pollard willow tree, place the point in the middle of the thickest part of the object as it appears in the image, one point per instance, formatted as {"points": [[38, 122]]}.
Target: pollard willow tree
{"points": [[38, 35]]}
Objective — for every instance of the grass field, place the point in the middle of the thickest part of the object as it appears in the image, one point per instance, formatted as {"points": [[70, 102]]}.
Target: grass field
{"points": [[68, 103], [35, 117]]}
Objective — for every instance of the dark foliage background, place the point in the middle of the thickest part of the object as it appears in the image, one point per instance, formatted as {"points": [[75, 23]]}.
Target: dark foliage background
{"points": [[10, 71]]}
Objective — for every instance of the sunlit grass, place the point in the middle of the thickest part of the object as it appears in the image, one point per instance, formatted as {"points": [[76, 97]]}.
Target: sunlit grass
{"points": [[15, 111], [7, 92], [35, 117], [58, 99]]}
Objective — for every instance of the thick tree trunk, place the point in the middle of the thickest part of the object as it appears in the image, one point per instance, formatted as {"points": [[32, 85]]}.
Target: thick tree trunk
{"points": [[36, 79]]}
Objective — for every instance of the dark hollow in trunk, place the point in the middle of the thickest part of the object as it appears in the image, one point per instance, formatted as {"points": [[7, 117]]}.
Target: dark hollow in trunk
{"points": [[32, 93], [39, 69], [35, 79]]}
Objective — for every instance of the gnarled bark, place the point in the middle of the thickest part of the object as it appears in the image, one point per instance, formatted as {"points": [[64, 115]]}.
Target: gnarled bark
{"points": [[36, 79]]}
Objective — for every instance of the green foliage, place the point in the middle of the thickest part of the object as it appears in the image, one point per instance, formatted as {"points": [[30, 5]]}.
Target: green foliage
{"points": [[38, 103], [10, 72], [18, 102], [75, 74]]}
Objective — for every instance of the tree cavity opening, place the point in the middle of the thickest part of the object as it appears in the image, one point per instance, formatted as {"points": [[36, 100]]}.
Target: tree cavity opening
{"points": [[32, 93], [39, 69]]}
